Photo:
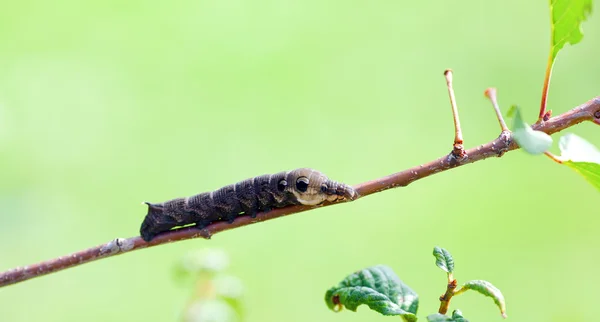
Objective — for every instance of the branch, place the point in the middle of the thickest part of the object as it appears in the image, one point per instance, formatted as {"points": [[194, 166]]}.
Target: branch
{"points": [[589, 111]]}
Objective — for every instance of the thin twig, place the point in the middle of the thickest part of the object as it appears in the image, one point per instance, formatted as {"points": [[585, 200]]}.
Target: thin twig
{"points": [[491, 93], [589, 111], [553, 157], [458, 149]]}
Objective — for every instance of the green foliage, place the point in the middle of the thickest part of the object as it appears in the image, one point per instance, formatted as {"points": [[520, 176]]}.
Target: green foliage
{"points": [[217, 295], [590, 171], [210, 310], [567, 16], [379, 288], [581, 156], [443, 259], [486, 288], [456, 317], [576, 149], [204, 261], [576, 153], [534, 142]]}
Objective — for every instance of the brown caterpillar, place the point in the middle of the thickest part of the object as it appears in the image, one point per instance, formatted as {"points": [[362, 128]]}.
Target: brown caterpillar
{"points": [[302, 186]]}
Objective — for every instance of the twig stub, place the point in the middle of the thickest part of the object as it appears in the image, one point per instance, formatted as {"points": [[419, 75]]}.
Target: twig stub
{"points": [[491, 94], [547, 115], [458, 153]]}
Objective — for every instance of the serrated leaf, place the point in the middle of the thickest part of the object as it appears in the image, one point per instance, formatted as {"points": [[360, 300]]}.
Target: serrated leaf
{"points": [[567, 16], [581, 156], [486, 288], [443, 259], [456, 317], [534, 142], [379, 288]]}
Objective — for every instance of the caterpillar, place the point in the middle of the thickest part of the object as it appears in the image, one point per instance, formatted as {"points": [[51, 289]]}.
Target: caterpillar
{"points": [[302, 186]]}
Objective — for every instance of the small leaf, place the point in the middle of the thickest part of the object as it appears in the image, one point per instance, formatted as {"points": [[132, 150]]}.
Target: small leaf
{"points": [[581, 156], [227, 286], [443, 259], [534, 142], [438, 317], [511, 111], [486, 288], [205, 262], [210, 310], [379, 288], [567, 16], [456, 317], [236, 305]]}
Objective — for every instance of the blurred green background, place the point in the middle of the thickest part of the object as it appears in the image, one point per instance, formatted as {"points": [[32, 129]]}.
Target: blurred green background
{"points": [[105, 104]]}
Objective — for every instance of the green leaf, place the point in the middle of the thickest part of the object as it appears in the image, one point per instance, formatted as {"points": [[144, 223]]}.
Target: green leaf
{"points": [[205, 260], [534, 142], [456, 317], [228, 289], [227, 286], [203, 263], [581, 156], [236, 305], [379, 288], [210, 310], [590, 171], [443, 259], [438, 317], [577, 149], [486, 288], [567, 16]]}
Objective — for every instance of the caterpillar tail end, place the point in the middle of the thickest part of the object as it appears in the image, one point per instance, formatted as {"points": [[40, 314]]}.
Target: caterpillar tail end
{"points": [[147, 229]]}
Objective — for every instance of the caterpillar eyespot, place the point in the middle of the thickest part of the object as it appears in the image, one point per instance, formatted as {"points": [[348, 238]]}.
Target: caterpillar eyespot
{"points": [[282, 185], [302, 186]]}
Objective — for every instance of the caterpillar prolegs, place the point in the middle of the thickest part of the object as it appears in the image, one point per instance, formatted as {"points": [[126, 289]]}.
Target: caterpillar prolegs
{"points": [[302, 186]]}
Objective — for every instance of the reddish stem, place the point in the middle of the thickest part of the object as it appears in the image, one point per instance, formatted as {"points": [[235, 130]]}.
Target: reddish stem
{"points": [[491, 93], [542, 116], [458, 137], [553, 157]]}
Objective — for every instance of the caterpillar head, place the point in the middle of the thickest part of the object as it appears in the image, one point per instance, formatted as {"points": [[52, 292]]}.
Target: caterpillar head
{"points": [[311, 187]]}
